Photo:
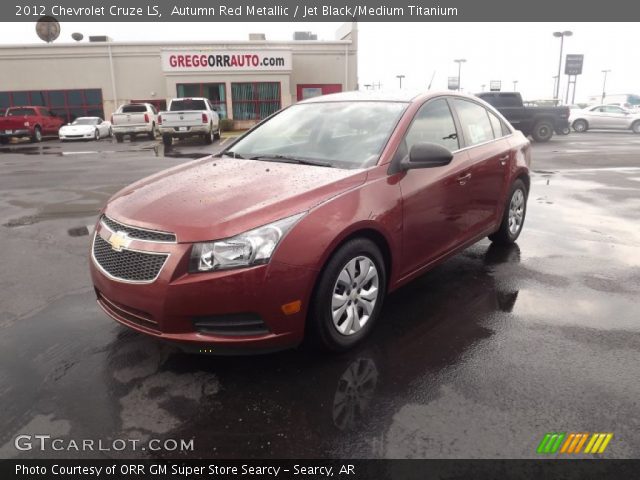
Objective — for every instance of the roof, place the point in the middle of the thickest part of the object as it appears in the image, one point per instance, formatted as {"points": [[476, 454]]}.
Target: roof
{"points": [[382, 96]]}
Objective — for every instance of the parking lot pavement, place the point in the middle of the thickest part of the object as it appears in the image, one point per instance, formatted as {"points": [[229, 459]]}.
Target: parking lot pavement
{"points": [[478, 358]]}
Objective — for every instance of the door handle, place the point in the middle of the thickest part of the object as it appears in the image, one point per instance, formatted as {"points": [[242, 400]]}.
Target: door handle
{"points": [[464, 178], [503, 159]]}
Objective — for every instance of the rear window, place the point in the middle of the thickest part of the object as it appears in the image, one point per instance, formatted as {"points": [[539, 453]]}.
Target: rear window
{"points": [[19, 112], [187, 104], [133, 108]]}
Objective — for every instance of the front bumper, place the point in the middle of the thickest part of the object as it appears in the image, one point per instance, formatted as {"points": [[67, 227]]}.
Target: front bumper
{"points": [[173, 306], [76, 136]]}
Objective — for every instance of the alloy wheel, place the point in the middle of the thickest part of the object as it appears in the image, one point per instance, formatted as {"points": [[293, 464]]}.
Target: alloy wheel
{"points": [[516, 211], [354, 295]]}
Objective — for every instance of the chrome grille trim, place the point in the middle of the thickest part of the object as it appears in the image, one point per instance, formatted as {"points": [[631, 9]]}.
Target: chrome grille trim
{"points": [[98, 238], [138, 233]]}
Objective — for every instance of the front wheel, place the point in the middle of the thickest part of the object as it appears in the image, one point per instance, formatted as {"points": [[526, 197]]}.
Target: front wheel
{"points": [[37, 135], [96, 135], [349, 295], [580, 126], [513, 217], [542, 131], [636, 127]]}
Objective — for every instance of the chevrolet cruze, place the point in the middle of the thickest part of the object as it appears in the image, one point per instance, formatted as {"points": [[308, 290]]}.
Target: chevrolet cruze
{"points": [[304, 224]]}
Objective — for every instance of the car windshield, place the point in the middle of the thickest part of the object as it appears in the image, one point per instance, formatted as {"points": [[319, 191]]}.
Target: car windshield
{"points": [[336, 134], [85, 121], [188, 104]]}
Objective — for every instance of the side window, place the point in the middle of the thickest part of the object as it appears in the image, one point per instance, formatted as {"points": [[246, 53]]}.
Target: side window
{"points": [[153, 110], [496, 124], [612, 109], [505, 129], [475, 122], [433, 123]]}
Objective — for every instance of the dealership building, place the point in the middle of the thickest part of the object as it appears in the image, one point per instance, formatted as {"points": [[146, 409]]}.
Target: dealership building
{"points": [[245, 80]]}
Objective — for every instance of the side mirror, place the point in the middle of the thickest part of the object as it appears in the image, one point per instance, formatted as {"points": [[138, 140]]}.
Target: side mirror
{"points": [[426, 155]]}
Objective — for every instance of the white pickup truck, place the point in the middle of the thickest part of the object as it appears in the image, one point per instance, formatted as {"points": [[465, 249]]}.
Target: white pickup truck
{"points": [[189, 117], [134, 119]]}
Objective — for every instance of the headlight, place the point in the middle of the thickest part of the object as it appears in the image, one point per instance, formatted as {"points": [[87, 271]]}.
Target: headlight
{"points": [[250, 248]]}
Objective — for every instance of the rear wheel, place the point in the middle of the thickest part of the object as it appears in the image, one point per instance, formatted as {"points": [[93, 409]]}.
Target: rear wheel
{"points": [[636, 127], [542, 131], [209, 137], [216, 135], [167, 140], [580, 126], [96, 135], [349, 295], [37, 135], [119, 138], [513, 217], [4, 140], [152, 133]]}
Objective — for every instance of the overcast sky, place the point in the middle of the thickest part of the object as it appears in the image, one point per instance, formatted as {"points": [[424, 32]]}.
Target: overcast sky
{"points": [[526, 52]]}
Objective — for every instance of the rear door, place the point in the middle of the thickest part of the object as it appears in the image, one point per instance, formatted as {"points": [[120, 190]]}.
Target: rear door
{"points": [[489, 157], [433, 199], [615, 117]]}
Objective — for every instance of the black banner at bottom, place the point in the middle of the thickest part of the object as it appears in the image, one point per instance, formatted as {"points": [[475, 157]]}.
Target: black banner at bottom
{"points": [[316, 469]]}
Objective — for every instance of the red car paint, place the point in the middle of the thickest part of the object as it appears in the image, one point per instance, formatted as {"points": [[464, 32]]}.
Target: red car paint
{"points": [[23, 122], [419, 217]]}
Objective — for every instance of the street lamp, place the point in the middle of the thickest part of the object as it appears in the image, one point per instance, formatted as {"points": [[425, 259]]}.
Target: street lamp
{"points": [[367, 86], [400, 77], [604, 84], [483, 85], [561, 35], [459, 61], [515, 82]]}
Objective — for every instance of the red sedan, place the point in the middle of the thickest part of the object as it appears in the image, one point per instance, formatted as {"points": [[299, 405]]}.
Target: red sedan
{"points": [[304, 224]]}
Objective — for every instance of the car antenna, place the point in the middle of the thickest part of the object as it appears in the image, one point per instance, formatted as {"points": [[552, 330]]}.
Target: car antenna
{"points": [[432, 76]]}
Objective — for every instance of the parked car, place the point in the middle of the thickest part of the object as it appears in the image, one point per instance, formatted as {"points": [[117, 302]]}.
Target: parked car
{"points": [[32, 122], [539, 122], [605, 117], [85, 128], [189, 117], [304, 224], [135, 119]]}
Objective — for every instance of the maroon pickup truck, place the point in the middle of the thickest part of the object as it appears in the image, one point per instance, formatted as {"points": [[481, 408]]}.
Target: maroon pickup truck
{"points": [[32, 122]]}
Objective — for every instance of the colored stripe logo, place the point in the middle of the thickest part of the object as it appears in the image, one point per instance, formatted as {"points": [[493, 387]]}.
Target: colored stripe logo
{"points": [[563, 442]]}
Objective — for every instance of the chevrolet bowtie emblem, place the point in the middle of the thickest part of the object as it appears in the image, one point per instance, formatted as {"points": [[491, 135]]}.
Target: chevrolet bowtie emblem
{"points": [[119, 240]]}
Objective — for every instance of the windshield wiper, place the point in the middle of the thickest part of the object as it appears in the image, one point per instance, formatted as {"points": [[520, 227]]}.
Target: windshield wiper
{"points": [[231, 153], [287, 159]]}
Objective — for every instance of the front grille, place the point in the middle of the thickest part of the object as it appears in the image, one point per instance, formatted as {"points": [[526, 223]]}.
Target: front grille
{"points": [[233, 324], [127, 265], [138, 233]]}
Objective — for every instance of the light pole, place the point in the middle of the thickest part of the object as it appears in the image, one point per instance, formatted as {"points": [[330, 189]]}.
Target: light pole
{"points": [[561, 35], [483, 85], [604, 85], [367, 86], [515, 82], [400, 77], [460, 61], [555, 79]]}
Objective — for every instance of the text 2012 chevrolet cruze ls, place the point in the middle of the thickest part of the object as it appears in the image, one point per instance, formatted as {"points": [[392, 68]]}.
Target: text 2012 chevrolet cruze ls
{"points": [[305, 223]]}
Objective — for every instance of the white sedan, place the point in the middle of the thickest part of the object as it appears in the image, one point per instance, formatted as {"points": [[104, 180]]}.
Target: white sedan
{"points": [[85, 128], [604, 117]]}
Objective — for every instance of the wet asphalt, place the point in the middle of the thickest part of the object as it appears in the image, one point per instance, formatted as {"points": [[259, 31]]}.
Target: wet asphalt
{"points": [[478, 358]]}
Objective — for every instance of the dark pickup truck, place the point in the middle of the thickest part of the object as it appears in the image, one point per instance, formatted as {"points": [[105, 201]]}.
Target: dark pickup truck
{"points": [[539, 122]]}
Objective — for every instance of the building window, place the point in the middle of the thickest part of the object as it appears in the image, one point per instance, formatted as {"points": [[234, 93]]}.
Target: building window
{"points": [[311, 90], [255, 101], [68, 104], [215, 92]]}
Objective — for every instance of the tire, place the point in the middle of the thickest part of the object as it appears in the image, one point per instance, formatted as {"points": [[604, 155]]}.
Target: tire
{"points": [[580, 126], [4, 140], [110, 132], [37, 135], [167, 140], [564, 131], [119, 138], [216, 135], [96, 135], [340, 275], [152, 133], [209, 137], [542, 131], [635, 127], [515, 210]]}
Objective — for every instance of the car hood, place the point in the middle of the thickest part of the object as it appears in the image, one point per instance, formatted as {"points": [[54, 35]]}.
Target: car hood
{"points": [[220, 197]]}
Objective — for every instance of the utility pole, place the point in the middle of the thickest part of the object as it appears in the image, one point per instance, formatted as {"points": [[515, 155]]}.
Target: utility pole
{"points": [[460, 61], [604, 85], [400, 77]]}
